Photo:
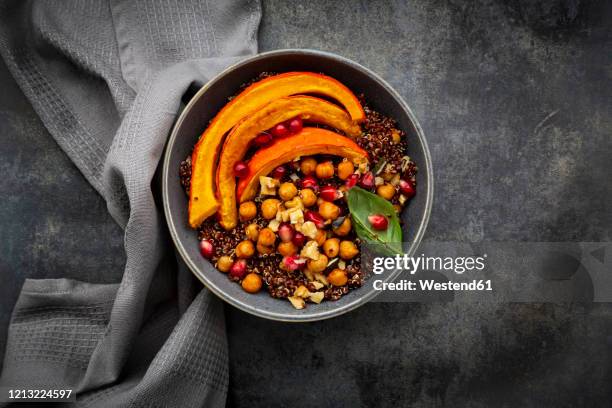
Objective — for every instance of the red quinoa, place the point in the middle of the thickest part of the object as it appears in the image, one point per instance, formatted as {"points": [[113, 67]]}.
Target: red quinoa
{"points": [[378, 141]]}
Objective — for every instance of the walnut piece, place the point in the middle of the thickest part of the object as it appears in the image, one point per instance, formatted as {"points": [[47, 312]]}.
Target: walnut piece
{"points": [[316, 297], [297, 302]]}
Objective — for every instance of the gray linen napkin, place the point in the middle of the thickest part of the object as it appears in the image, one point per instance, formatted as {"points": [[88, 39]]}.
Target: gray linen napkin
{"points": [[106, 78]]}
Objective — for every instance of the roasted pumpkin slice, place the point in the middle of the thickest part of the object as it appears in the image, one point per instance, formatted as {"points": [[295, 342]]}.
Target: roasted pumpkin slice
{"points": [[236, 144], [202, 201], [307, 142]]}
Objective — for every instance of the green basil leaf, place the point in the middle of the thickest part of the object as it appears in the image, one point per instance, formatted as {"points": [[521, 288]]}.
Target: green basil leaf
{"points": [[362, 204]]}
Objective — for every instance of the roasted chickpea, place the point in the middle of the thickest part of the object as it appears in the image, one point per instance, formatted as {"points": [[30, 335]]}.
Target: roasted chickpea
{"points": [[308, 166], [247, 210], [345, 228], [286, 248], [337, 277], [252, 232], [345, 169], [269, 207], [264, 249], [325, 170], [245, 249], [321, 237], [252, 283], [348, 250], [396, 136], [318, 265], [386, 191], [309, 198], [329, 211], [287, 191], [331, 247], [224, 263], [266, 237]]}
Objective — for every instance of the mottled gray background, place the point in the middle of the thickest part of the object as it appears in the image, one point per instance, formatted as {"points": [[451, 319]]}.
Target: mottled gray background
{"points": [[515, 98]]}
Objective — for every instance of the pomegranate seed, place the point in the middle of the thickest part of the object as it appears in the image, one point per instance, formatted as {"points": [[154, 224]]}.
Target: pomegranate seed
{"points": [[207, 249], [263, 139], [352, 180], [367, 180], [294, 262], [238, 269], [241, 170], [299, 239], [285, 232], [310, 182], [280, 130], [407, 188], [330, 193], [315, 217], [295, 125], [378, 221], [279, 172]]}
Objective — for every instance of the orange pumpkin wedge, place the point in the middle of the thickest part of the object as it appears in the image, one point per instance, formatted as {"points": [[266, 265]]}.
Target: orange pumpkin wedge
{"points": [[236, 144], [202, 200], [307, 142]]}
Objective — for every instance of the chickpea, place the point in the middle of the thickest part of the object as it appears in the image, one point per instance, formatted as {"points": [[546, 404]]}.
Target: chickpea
{"points": [[325, 170], [396, 136], [252, 232], [337, 277], [345, 228], [318, 265], [224, 263], [386, 191], [321, 237], [252, 283], [269, 207], [245, 249], [331, 247], [264, 249], [345, 169], [348, 250], [308, 166], [329, 211], [266, 237], [286, 248], [247, 210], [287, 191], [398, 208], [309, 198]]}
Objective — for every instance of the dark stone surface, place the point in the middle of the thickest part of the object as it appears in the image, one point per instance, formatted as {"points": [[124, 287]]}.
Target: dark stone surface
{"points": [[515, 99]]}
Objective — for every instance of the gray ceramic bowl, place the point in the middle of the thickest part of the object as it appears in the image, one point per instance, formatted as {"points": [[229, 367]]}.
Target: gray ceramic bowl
{"points": [[211, 98]]}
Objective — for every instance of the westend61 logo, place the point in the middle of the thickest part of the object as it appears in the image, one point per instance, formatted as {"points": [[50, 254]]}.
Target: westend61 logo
{"points": [[413, 264]]}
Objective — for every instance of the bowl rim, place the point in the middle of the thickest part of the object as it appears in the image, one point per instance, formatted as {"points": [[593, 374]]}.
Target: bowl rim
{"points": [[279, 316]]}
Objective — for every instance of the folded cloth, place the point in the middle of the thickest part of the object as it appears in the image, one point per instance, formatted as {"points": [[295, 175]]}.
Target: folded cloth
{"points": [[106, 78]]}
